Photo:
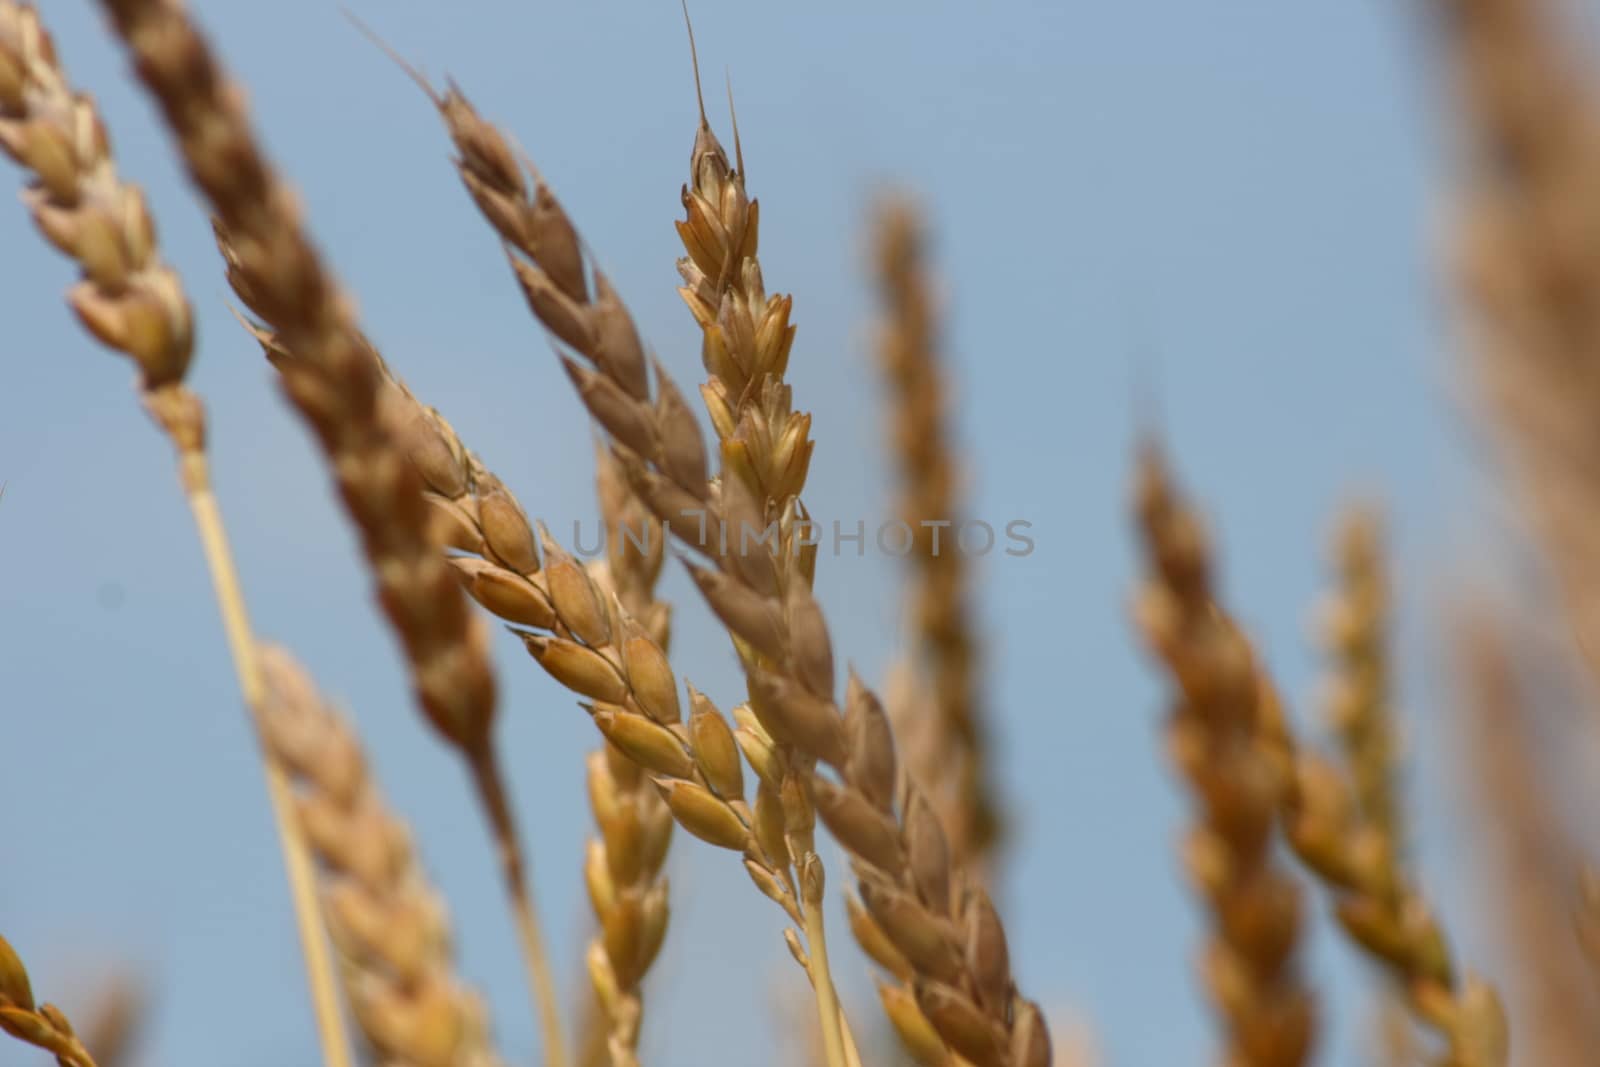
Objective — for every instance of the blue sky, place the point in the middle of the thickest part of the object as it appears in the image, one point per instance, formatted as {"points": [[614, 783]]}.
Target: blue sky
{"points": [[1240, 205]]}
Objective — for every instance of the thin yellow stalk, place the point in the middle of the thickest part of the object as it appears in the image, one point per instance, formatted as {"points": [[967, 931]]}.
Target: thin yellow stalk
{"points": [[828, 1014], [296, 855], [487, 777]]}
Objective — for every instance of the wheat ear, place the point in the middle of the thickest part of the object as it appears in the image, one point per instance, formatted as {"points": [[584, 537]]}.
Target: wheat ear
{"points": [[1528, 264], [1357, 707], [954, 758], [594, 646], [971, 1006], [473, 512], [1382, 912], [746, 337], [389, 923], [133, 302], [1354, 627], [44, 1026], [551, 267], [336, 381], [746, 334], [1234, 743], [1332, 827], [1218, 738]]}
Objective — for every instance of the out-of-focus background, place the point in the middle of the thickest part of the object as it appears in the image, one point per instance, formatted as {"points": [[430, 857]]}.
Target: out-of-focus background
{"points": [[1222, 216]]}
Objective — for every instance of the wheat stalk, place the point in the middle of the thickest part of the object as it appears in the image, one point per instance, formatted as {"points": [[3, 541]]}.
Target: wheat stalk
{"points": [[388, 922], [133, 302], [1218, 740], [953, 767], [336, 381], [44, 1026]]}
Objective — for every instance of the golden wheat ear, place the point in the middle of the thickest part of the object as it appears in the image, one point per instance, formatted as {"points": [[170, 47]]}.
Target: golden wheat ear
{"points": [[1346, 835], [1358, 708], [43, 1026], [389, 923], [1220, 735], [941, 722]]}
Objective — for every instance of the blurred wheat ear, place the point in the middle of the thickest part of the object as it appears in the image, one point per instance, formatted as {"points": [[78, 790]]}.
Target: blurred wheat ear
{"points": [[1220, 740]]}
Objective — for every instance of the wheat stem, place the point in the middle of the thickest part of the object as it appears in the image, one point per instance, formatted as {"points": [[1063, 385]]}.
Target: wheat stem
{"points": [[490, 783], [331, 1028], [828, 1014]]}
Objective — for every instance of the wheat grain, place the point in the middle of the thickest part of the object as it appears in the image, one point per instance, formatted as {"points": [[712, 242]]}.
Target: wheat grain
{"points": [[593, 645], [133, 302], [127, 297], [1217, 737], [44, 1026], [954, 771], [746, 335], [389, 924], [336, 381]]}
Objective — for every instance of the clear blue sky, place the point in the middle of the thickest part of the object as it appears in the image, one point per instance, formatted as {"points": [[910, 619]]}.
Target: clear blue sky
{"points": [[1239, 203]]}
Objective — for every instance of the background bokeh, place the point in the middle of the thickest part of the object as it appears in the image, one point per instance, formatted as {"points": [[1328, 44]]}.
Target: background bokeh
{"points": [[1229, 208]]}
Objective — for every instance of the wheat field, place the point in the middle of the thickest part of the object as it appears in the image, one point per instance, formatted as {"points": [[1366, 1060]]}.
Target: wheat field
{"points": [[1088, 513]]}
